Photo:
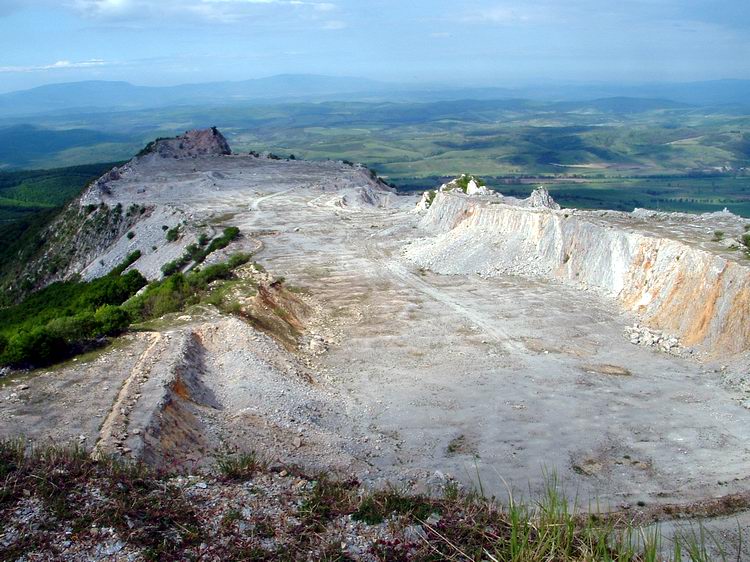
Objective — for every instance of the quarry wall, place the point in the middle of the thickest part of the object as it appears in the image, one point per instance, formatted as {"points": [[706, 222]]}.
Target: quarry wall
{"points": [[702, 298]]}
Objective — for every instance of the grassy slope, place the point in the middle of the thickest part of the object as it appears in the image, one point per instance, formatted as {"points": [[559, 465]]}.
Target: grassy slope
{"points": [[157, 516]]}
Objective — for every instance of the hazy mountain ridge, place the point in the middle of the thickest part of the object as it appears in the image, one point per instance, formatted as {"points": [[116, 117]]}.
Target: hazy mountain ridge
{"points": [[123, 95]]}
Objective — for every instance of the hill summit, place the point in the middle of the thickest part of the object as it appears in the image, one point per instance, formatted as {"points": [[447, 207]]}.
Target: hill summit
{"points": [[202, 142]]}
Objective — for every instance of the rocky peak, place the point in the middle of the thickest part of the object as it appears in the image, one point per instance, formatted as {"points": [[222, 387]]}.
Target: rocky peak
{"points": [[540, 197], [200, 142]]}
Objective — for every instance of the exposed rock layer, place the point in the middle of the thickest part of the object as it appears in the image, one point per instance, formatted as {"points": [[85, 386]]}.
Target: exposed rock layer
{"points": [[703, 298]]}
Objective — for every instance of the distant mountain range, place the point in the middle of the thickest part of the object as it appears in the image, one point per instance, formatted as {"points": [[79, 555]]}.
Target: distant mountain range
{"points": [[103, 95]]}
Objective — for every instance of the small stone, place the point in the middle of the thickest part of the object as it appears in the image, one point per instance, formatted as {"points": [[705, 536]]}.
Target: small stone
{"points": [[433, 519], [297, 442]]}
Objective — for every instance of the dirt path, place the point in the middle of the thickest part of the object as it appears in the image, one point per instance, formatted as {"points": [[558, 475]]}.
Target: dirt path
{"points": [[114, 430]]}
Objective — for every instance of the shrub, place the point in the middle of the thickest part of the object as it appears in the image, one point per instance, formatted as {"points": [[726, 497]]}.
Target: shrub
{"points": [[465, 179], [160, 298], [431, 197], [73, 328], [111, 320], [52, 323], [130, 235], [37, 347], [173, 234], [201, 278], [130, 259], [238, 259], [177, 289], [170, 268], [198, 254]]}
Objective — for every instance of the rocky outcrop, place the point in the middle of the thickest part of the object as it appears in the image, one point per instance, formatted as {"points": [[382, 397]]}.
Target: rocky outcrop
{"points": [[699, 296], [471, 186], [203, 142], [541, 198]]}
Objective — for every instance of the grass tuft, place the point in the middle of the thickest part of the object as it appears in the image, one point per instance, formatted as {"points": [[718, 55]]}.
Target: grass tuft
{"points": [[239, 466]]}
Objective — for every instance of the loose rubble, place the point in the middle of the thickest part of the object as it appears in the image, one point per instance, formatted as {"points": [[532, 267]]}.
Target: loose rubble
{"points": [[642, 335]]}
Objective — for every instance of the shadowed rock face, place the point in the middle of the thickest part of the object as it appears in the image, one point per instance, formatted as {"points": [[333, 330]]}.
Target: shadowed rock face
{"points": [[203, 142]]}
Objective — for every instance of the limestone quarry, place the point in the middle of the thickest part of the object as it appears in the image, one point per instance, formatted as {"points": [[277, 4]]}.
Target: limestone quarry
{"points": [[414, 340]]}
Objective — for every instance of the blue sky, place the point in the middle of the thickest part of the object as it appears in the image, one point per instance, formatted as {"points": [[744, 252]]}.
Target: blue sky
{"points": [[482, 42]]}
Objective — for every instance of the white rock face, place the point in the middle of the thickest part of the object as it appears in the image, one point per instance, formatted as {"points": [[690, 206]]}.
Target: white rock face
{"points": [[475, 189], [424, 202], [540, 197], [699, 296]]}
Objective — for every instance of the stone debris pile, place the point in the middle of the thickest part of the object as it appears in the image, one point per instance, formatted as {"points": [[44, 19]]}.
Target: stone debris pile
{"points": [[641, 335]]}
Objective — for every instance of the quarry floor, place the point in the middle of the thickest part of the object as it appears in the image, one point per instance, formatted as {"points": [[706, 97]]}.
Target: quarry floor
{"points": [[499, 383]]}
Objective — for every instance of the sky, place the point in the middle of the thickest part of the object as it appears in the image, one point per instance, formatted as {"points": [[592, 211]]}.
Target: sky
{"points": [[474, 42]]}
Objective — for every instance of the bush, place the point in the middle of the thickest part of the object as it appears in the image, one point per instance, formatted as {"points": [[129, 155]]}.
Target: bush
{"points": [[111, 320], [201, 278], [198, 254], [130, 235], [238, 259], [173, 234], [37, 347], [170, 268], [230, 234], [52, 323], [169, 295], [130, 259], [73, 328], [177, 290]]}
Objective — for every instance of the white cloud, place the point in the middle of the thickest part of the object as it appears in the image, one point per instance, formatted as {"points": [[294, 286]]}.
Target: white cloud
{"points": [[214, 10], [59, 65], [506, 14]]}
